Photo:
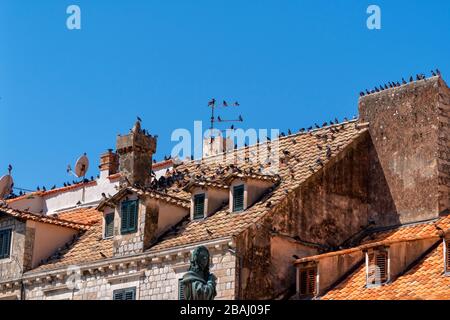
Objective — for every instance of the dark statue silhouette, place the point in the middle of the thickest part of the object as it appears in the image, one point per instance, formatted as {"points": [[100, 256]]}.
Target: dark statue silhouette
{"points": [[198, 283]]}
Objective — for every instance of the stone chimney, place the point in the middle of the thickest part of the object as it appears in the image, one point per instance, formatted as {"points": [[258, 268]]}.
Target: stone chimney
{"points": [[410, 131], [135, 156], [109, 164]]}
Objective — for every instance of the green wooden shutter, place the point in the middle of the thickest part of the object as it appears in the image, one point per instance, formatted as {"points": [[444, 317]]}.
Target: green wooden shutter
{"points": [[125, 294], [5, 243], [129, 216], [238, 198], [130, 294], [181, 290], [118, 295], [109, 225], [199, 206], [124, 222], [133, 216]]}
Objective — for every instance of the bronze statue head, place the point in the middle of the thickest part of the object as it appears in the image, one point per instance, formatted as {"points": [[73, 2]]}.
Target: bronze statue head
{"points": [[200, 262]]}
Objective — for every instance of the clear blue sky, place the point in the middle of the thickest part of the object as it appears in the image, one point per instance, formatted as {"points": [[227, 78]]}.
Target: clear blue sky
{"points": [[289, 64]]}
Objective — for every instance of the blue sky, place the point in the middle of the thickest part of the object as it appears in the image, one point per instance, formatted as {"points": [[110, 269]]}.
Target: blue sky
{"points": [[289, 64]]}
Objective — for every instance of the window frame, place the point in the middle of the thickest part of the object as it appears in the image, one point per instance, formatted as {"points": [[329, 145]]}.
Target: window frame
{"points": [[128, 229], [197, 216], [377, 253], [7, 254], [105, 229], [447, 256], [311, 288], [124, 292], [240, 187]]}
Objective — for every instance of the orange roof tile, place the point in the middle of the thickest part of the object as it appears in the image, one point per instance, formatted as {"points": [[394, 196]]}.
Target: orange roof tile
{"points": [[87, 248], [42, 218], [409, 232], [425, 280], [87, 215]]}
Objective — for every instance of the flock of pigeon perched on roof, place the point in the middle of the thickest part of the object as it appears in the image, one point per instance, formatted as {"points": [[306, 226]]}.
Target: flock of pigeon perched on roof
{"points": [[394, 84]]}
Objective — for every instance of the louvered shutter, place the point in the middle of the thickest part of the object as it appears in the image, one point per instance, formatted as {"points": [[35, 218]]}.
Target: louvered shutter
{"points": [[119, 295], [199, 206], [5, 243], [303, 282], [311, 281], [180, 290], [448, 254], [308, 281], [129, 218], [125, 217], [130, 294], [125, 294], [238, 198], [109, 225], [381, 262], [133, 216]]}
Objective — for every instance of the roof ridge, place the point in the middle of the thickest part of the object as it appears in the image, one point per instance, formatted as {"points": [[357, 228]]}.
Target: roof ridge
{"points": [[196, 161]]}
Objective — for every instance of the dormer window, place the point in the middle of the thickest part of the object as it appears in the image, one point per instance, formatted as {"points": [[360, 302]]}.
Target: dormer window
{"points": [[5, 243], [447, 255], [109, 225], [129, 216], [307, 281], [238, 198], [199, 206], [377, 267]]}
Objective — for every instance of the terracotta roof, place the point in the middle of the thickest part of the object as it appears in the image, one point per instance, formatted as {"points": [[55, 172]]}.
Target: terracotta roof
{"points": [[150, 193], [86, 215], [425, 280], [294, 168], [42, 218], [54, 191], [410, 232], [87, 248]]}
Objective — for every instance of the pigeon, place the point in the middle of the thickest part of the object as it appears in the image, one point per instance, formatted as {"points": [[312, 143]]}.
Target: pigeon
{"points": [[403, 81], [212, 102], [240, 118], [433, 73], [139, 119], [361, 94], [438, 72], [367, 91], [411, 79], [295, 257], [328, 151]]}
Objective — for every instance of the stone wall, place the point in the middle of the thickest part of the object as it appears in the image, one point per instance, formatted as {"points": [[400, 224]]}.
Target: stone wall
{"points": [[408, 125], [11, 268], [328, 209], [444, 147], [157, 280]]}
